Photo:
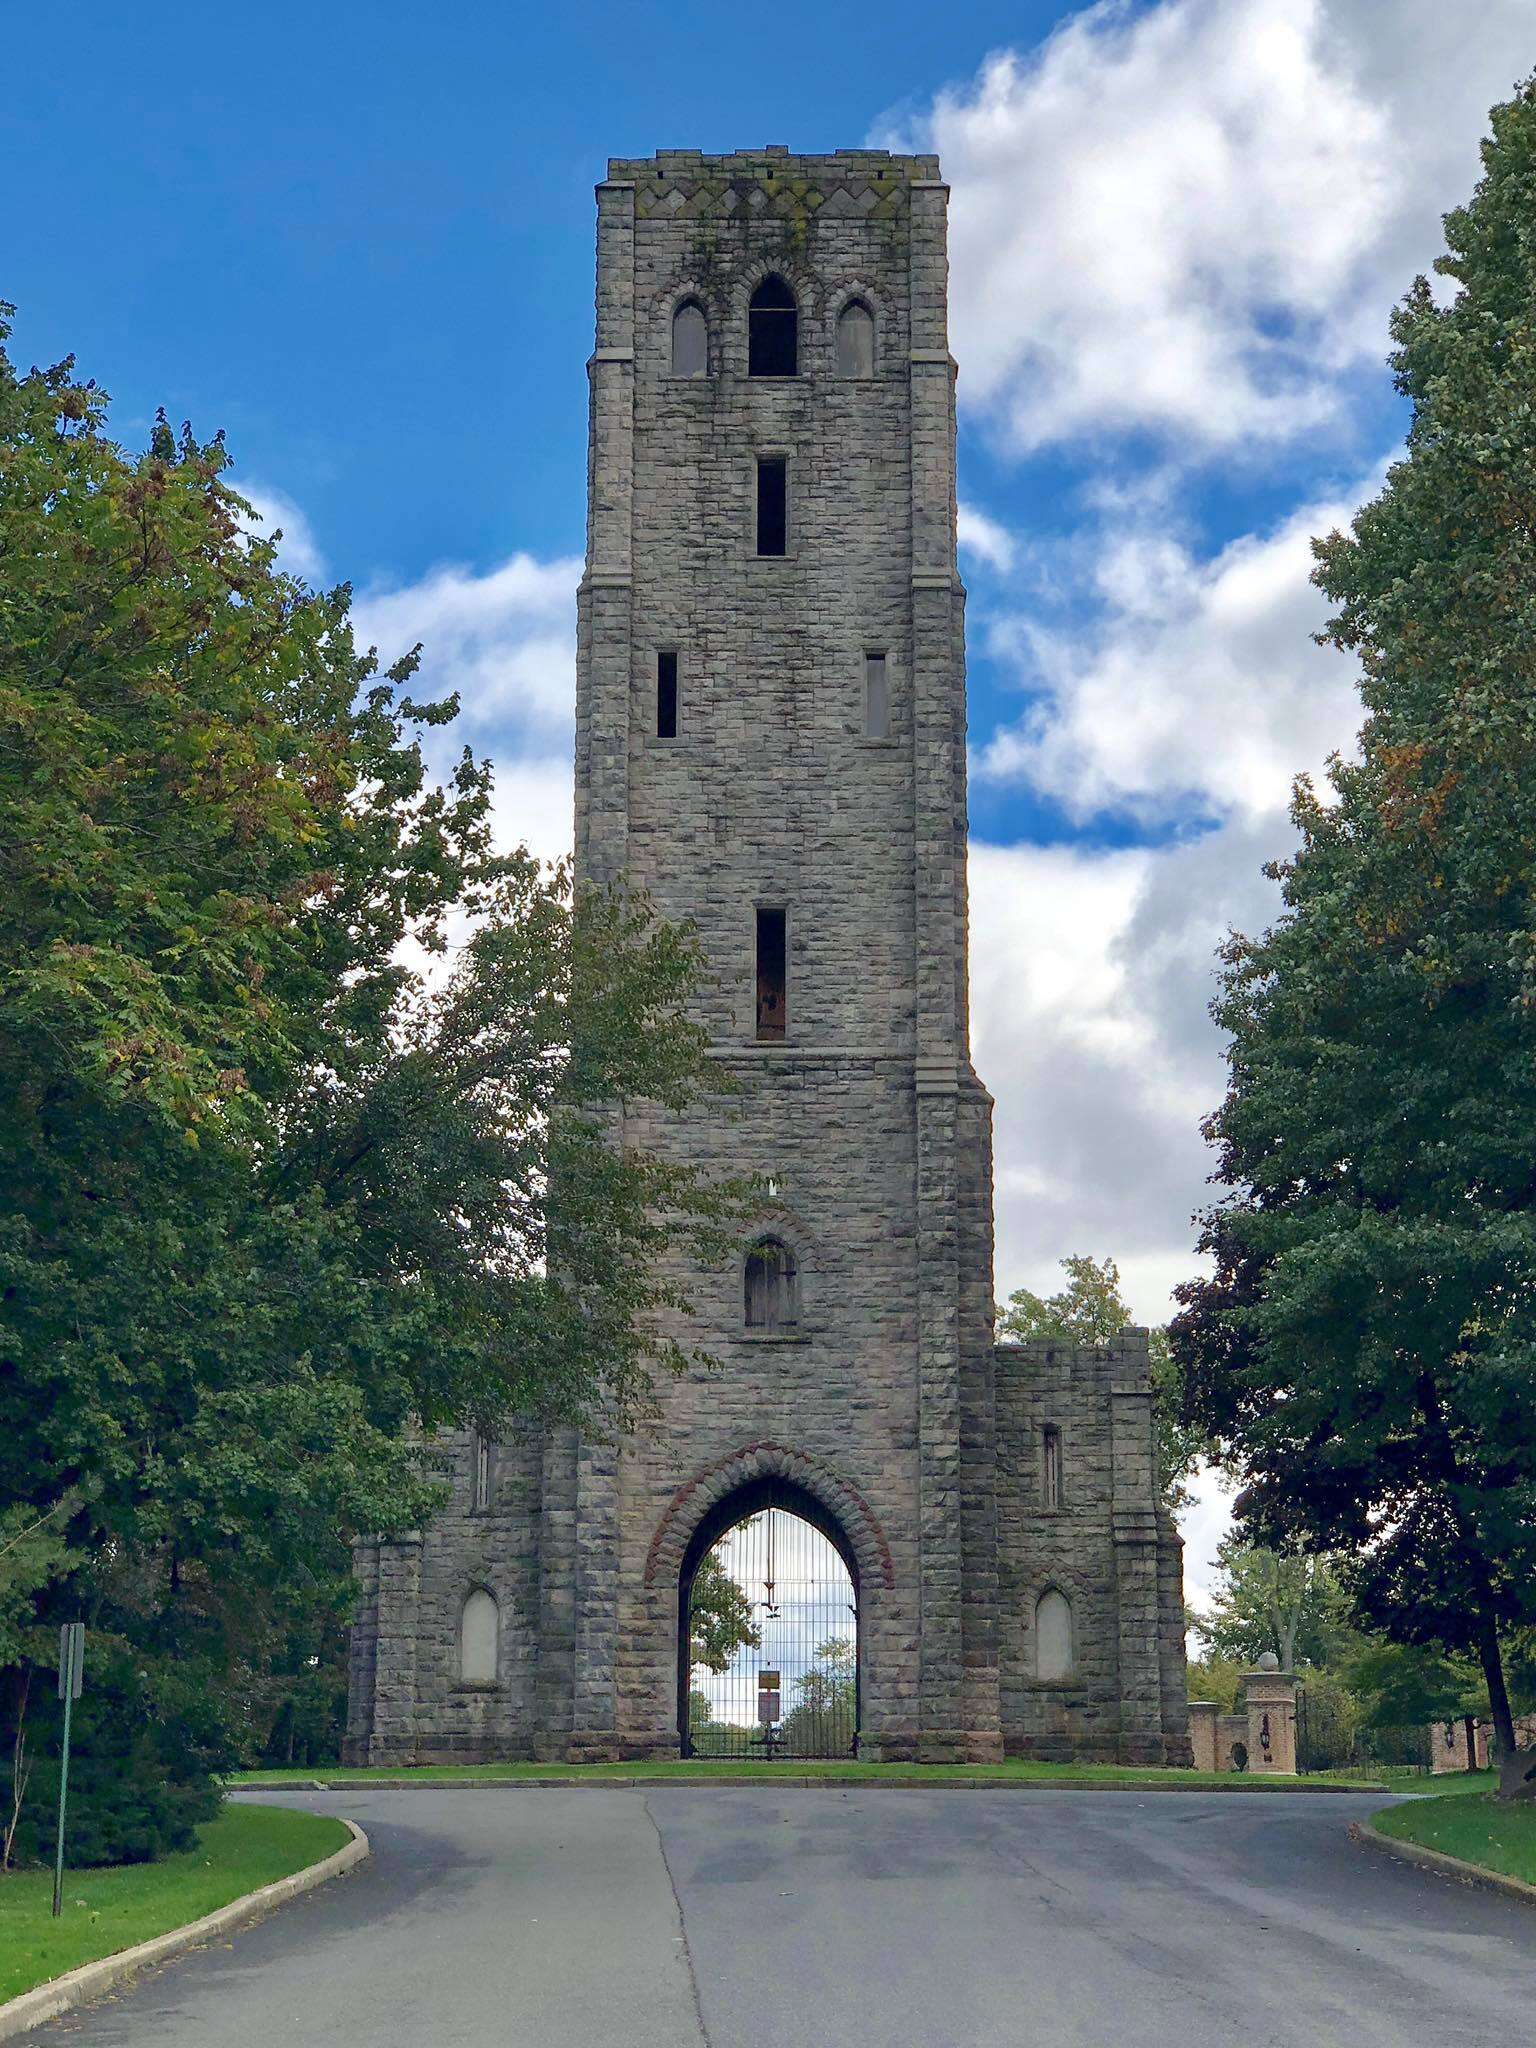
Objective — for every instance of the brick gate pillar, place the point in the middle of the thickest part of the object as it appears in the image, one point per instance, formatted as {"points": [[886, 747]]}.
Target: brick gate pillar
{"points": [[1270, 1694]]}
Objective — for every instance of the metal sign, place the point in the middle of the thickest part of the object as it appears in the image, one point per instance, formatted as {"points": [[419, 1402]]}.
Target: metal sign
{"points": [[71, 1659], [71, 1678]]}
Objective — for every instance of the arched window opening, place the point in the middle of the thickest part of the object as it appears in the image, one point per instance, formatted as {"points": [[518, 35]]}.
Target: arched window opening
{"points": [[1053, 1635], [690, 340], [769, 1653], [477, 1639], [855, 340], [773, 346], [772, 1286]]}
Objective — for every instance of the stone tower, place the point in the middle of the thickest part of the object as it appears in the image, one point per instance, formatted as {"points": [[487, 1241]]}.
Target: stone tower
{"points": [[771, 740]]}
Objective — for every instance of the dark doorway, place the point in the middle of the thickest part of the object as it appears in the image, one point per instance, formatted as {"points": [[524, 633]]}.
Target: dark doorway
{"points": [[768, 1636]]}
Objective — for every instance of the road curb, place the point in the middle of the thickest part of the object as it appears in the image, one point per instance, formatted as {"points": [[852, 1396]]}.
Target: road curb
{"points": [[1240, 1782], [63, 1994], [1442, 1865]]}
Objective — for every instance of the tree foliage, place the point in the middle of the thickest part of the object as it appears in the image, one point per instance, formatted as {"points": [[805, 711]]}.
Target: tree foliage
{"points": [[1367, 1340], [719, 1617], [1294, 1606], [824, 1719], [307, 1147], [1090, 1310]]}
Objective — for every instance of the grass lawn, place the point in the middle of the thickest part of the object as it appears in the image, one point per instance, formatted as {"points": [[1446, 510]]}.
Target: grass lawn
{"points": [[111, 1908], [1473, 1826], [838, 1773]]}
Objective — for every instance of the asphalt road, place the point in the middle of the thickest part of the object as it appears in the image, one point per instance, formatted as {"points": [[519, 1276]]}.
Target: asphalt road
{"points": [[822, 1919]]}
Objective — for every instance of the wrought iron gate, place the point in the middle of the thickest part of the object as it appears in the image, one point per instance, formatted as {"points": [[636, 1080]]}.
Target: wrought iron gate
{"points": [[771, 1640]]}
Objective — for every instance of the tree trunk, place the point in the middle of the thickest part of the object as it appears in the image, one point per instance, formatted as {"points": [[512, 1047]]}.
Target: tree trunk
{"points": [[1517, 1767], [21, 1768]]}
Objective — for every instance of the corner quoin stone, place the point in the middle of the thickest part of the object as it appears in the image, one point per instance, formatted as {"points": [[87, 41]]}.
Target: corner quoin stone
{"points": [[890, 1403]]}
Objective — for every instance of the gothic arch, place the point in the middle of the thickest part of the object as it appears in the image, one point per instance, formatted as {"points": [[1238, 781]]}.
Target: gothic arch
{"points": [[850, 292], [808, 303], [692, 1503], [665, 304]]}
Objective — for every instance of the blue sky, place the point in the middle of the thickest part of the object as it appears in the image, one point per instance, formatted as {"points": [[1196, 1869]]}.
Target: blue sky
{"points": [[359, 239]]}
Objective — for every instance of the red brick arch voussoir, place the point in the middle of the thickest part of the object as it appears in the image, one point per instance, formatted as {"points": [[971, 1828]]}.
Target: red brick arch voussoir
{"points": [[694, 1499]]}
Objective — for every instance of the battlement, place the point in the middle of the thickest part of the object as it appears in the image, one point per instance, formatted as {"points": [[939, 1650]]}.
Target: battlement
{"points": [[774, 164]]}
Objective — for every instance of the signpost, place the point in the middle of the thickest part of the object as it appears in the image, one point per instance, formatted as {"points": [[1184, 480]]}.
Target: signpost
{"points": [[71, 1677], [768, 1708]]}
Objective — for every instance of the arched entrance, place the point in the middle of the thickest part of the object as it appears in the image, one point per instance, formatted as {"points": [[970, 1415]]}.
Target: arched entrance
{"points": [[768, 1629]]}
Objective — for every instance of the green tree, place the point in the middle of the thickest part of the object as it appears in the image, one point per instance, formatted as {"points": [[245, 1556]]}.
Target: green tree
{"points": [[1292, 1605], [1090, 1310], [824, 1719], [1401, 1685], [1366, 1342], [275, 1164], [1216, 1678], [719, 1617]]}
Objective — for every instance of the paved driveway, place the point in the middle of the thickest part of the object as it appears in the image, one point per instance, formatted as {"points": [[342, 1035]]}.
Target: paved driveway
{"points": [[822, 1919]]}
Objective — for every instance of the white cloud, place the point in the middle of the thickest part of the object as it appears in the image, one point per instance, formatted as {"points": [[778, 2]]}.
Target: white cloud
{"points": [[505, 641], [535, 804], [1193, 217], [298, 551], [1196, 687], [985, 538]]}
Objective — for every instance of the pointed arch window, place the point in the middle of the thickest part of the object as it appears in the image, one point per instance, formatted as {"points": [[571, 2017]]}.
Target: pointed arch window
{"points": [[772, 1286], [773, 323], [690, 340], [478, 1632], [856, 340], [1053, 1635]]}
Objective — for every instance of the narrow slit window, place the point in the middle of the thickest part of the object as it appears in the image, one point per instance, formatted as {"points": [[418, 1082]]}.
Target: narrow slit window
{"points": [[690, 341], [877, 697], [480, 1474], [771, 990], [772, 504], [1050, 1467], [666, 694], [773, 322]]}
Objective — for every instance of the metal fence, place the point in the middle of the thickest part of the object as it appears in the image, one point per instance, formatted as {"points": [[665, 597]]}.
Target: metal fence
{"points": [[1330, 1736], [794, 1690]]}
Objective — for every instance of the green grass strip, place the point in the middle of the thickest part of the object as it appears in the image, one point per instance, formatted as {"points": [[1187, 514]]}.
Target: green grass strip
{"points": [[1476, 1828], [696, 1769], [108, 1909]]}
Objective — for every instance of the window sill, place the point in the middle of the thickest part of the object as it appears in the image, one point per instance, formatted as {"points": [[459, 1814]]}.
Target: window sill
{"points": [[775, 1336], [864, 739], [477, 1685]]}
